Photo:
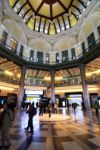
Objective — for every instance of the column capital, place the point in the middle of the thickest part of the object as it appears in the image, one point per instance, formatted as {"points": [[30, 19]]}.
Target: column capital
{"points": [[52, 70], [82, 66], [23, 67]]}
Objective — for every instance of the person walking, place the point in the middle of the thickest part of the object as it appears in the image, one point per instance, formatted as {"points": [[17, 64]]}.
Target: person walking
{"points": [[31, 112], [96, 107], [6, 119], [49, 109], [55, 108], [74, 106]]}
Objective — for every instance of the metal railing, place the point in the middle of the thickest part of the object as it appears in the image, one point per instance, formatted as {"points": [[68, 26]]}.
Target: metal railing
{"points": [[93, 80], [7, 79], [49, 63], [37, 84]]}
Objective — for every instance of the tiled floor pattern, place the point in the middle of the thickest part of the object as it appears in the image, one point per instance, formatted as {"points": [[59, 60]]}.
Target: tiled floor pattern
{"points": [[80, 131]]}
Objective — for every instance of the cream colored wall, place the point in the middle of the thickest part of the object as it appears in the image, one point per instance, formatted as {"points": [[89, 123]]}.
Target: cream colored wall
{"points": [[26, 53], [11, 88], [78, 50], [15, 30], [78, 88], [1, 31], [75, 88], [90, 22], [8, 88], [12, 28], [52, 57], [64, 42], [40, 45]]}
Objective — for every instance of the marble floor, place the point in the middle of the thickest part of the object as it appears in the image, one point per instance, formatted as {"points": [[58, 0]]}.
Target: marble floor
{"points": [[63, 131]]}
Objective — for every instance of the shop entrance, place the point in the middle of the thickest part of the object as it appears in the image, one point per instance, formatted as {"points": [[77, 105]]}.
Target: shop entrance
{"points": [[74, 98]]}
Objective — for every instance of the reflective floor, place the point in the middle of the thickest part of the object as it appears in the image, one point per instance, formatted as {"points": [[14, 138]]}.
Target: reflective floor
{"points": [[63, 131]]}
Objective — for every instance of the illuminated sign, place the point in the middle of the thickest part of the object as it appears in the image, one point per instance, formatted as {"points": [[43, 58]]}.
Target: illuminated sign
{"points": [[29, 92]]}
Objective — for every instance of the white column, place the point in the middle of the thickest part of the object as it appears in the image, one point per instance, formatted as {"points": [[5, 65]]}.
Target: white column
{"points": [[86, 97], [53, 85], [44, 57], [86, 44], [21, 87], [52, 57], [96, 34], [35, 56], [8, 39], [69, 54], [60, 56], [1, 32], [78, 50], [18, 47]]}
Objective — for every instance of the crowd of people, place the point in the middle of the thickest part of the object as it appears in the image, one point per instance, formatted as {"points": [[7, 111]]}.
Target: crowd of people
{"points": [[7, 115], [50, 108]]}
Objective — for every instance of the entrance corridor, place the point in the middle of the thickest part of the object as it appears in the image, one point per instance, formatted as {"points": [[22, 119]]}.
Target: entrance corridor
{"points": [[73, 131]]}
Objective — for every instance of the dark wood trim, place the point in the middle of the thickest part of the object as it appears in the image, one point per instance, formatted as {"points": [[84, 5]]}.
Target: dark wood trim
{"points": [[15, 3], [21, 8]]}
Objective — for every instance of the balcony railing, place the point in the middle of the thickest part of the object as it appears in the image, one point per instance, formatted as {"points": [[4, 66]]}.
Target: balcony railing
{"points": [[49, 63], [7, 79], [93, 80], [37, 84]]}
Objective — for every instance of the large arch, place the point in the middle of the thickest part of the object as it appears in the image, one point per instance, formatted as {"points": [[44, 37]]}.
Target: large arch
{"points": [[64, 43], [15, 30], [40, 44], [91, 21]]}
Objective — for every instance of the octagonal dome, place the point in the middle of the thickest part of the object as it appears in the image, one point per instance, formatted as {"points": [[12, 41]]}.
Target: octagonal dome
{"points": [[49, 16]]}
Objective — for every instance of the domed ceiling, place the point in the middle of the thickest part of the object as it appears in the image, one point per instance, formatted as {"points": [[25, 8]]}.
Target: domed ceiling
{"points": [[49, 16]]}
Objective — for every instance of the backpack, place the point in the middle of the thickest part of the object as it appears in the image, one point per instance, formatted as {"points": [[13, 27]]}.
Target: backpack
{"points": [[1, 118]]}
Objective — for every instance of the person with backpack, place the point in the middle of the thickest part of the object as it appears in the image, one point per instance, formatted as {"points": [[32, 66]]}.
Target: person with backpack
{"points": [[6, 119], [96, 107], [31, 112]]}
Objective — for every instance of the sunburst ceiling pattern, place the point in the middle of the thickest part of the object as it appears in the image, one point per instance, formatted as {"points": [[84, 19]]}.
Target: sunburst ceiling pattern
{"points": [[49, 16]]}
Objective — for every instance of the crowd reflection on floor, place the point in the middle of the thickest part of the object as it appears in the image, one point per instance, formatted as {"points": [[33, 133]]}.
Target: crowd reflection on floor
{"points": [[61, 131]]}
